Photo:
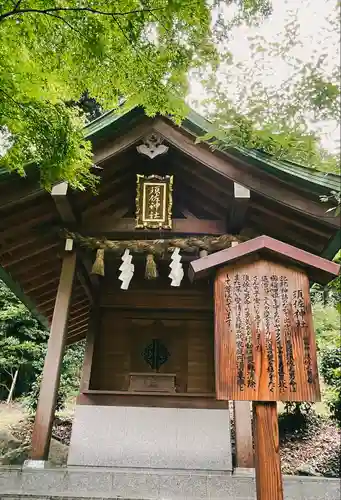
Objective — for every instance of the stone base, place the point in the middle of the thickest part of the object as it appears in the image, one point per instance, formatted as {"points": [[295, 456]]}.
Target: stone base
{"points": [[157, 438], [129, 484], [36, 464]]}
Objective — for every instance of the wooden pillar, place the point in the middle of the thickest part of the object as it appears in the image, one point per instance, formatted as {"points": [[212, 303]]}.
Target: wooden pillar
{"points": [[93, 328], [243, 429], [269, 481], [42, 429], [243, 434]]}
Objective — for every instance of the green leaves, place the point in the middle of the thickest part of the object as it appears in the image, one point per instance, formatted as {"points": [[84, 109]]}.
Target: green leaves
{"points": [[52, 53], [21, 342]]}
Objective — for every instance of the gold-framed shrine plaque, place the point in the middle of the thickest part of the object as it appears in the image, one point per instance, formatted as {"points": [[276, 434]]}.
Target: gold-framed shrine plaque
{"points": [[154, 202]]}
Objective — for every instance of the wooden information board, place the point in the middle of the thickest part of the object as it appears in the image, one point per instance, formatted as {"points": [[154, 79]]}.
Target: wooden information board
{"points": [[264, 337]]}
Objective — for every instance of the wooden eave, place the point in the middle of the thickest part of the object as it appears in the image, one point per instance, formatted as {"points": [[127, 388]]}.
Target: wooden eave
{"points": [[31, 219], [318, 269]]}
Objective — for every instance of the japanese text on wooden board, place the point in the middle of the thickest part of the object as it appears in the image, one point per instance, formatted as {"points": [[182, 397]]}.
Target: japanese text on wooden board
{"points": [[266, 334]]}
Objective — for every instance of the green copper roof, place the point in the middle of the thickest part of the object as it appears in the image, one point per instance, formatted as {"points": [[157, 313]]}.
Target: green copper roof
{"points": [[305, 177], [321, 182]]}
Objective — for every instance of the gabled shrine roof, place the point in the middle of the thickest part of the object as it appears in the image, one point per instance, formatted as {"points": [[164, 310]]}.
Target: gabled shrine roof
{"points": [[284, 204], [198, 125]]}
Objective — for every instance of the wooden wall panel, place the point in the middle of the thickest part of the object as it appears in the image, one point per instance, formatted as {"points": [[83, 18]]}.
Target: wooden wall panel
{"points": [[160, 299], [111, 364], [124, 335], [200, 356]]}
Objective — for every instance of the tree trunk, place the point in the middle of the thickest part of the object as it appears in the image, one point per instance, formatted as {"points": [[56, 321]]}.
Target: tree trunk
{"points": [[11, 391]]}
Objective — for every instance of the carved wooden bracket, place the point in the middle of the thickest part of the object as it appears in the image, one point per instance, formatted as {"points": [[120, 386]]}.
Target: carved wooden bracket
{"points": [[152, 146]]}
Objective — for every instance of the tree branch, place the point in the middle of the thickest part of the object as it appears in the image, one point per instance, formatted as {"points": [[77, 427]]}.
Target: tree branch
{"points": [[61, 18], [17, 11], [2, 384]]}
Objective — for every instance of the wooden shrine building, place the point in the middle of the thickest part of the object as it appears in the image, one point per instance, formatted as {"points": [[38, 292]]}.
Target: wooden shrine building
{"points": [[148, 391]]}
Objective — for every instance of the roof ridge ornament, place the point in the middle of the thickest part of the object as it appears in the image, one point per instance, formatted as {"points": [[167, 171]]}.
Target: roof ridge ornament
{"points": [[152, 146]]}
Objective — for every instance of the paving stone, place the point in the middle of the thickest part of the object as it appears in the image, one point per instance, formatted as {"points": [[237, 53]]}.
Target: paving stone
{"points": [[176, 486], [136, 485], [42, 482], [226, 486], [10, 481], [83, 483]]}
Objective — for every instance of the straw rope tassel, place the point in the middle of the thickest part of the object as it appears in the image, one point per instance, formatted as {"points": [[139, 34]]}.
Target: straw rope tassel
{"points": [[151, 269], [98, 265]]}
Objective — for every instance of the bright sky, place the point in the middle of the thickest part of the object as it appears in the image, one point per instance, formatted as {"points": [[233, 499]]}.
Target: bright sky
{"points": [[313, 36]]}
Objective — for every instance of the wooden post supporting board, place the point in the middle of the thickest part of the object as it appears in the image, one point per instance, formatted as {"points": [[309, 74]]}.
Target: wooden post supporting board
{"points": [[269, 482], [243, 427], [243, 434], [42, 429], [265, 349]]}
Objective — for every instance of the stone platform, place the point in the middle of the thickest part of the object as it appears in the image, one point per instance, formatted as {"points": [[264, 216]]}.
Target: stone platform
{"points": [[128, 484], [155, 438]]}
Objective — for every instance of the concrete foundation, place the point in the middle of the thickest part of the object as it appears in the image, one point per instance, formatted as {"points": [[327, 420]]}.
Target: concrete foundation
{"points": [[158, 438], [129, 484]]}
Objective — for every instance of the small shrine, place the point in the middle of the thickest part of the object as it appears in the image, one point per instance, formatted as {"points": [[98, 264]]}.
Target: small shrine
{"points": [[187, 275]]}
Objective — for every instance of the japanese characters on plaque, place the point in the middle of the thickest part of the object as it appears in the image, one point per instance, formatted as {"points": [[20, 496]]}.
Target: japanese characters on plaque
{"points": [[266, 337], [154, 202]]}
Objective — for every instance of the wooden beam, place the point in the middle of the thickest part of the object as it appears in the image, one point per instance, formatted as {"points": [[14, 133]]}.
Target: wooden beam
{"points": [[202, 199], [49, 311], [115, 191], [78, 325], [42, 283], [81, 308], [73, 330], [32, 263], [42, 429], [61, 198], [33, 276], [268, 226], [18, 242], [78, 293], [121, 144], [77, 318], [79, 303], [11, 226], [51, 299], [76, 338], [75, 322], [63, 205], [292, 220], [106, 226], [93, 328], [230, 167], [238, 208], [22, 194], [28, 253], [256, 202], [111, 170]]}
